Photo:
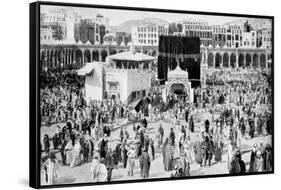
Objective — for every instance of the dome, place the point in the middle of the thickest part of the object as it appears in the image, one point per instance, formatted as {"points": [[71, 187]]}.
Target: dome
{"points": [[177, 73]]}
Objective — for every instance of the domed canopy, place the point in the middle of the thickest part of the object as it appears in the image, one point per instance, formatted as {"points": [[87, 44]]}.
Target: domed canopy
{"points": [[177, 73]]}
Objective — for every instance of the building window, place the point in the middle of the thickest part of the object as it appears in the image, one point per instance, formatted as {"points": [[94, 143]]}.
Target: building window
{"points": [[134, 95], [112, 86]]}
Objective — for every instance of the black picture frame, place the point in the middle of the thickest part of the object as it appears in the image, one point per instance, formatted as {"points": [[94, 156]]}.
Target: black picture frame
{"points": [[34, 83]]}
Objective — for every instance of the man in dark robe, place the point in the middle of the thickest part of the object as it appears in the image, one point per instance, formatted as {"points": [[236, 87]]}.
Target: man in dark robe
{"points": [[144, 123], [46, 142], [103, 147], [186, 115], [234, 165], [145, 163], [172, 136], [62, 151], [252, 158], [109, 163], [191, 124], [241, 164], [268, 158], [210, 150], [161, 132], [207, 126]]}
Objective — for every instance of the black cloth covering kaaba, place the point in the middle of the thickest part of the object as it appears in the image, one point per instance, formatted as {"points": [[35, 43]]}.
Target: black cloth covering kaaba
{"points": [[184, 49]]}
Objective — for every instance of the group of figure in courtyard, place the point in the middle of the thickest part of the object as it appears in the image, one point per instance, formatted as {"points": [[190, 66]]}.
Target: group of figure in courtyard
{"points": [[83, 135]]}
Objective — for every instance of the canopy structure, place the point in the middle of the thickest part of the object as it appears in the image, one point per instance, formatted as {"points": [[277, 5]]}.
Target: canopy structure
{"points": [[87, 69], [177, 73], [131, 55]]}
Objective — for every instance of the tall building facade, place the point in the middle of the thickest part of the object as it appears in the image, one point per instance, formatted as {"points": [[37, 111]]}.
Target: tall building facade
{"points": [[197, 28], [87, 30], [61, 21], [148, 35], [219, 35]]}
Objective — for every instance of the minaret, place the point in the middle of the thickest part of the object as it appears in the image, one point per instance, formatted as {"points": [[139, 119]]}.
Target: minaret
{"points": [[70, 28]]}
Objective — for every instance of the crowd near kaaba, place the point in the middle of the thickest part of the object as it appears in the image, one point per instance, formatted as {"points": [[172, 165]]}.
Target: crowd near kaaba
{"points": [[238, 104]]}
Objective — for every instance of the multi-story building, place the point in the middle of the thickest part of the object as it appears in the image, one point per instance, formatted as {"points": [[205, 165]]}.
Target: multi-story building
{"points": [[264, 38], [249, 39], [103, 26], [123, 38], [233, 36], [46, 34], [197, 28], [148, 35], [219, 35], [88, 30], [61, 21]]}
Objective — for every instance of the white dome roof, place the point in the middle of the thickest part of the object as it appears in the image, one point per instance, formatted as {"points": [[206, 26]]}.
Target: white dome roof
{"points": [[177, 73]]}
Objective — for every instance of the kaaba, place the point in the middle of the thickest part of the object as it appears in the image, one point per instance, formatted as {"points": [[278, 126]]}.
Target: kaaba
{"points": [[185, 51]]}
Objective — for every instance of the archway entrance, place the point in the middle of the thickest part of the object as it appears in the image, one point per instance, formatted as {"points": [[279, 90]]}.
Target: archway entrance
{"points": [[179, 90]]}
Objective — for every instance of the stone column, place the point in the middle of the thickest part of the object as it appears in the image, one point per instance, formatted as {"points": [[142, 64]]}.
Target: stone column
{"points": [[91, 56], [66, 57], [70, 56], [74, 56], [63, 58], [83, 60], [100, 56]]}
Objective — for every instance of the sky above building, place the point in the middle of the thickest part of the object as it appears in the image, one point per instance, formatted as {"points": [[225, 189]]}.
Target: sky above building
{"points": [[117, 17]]}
